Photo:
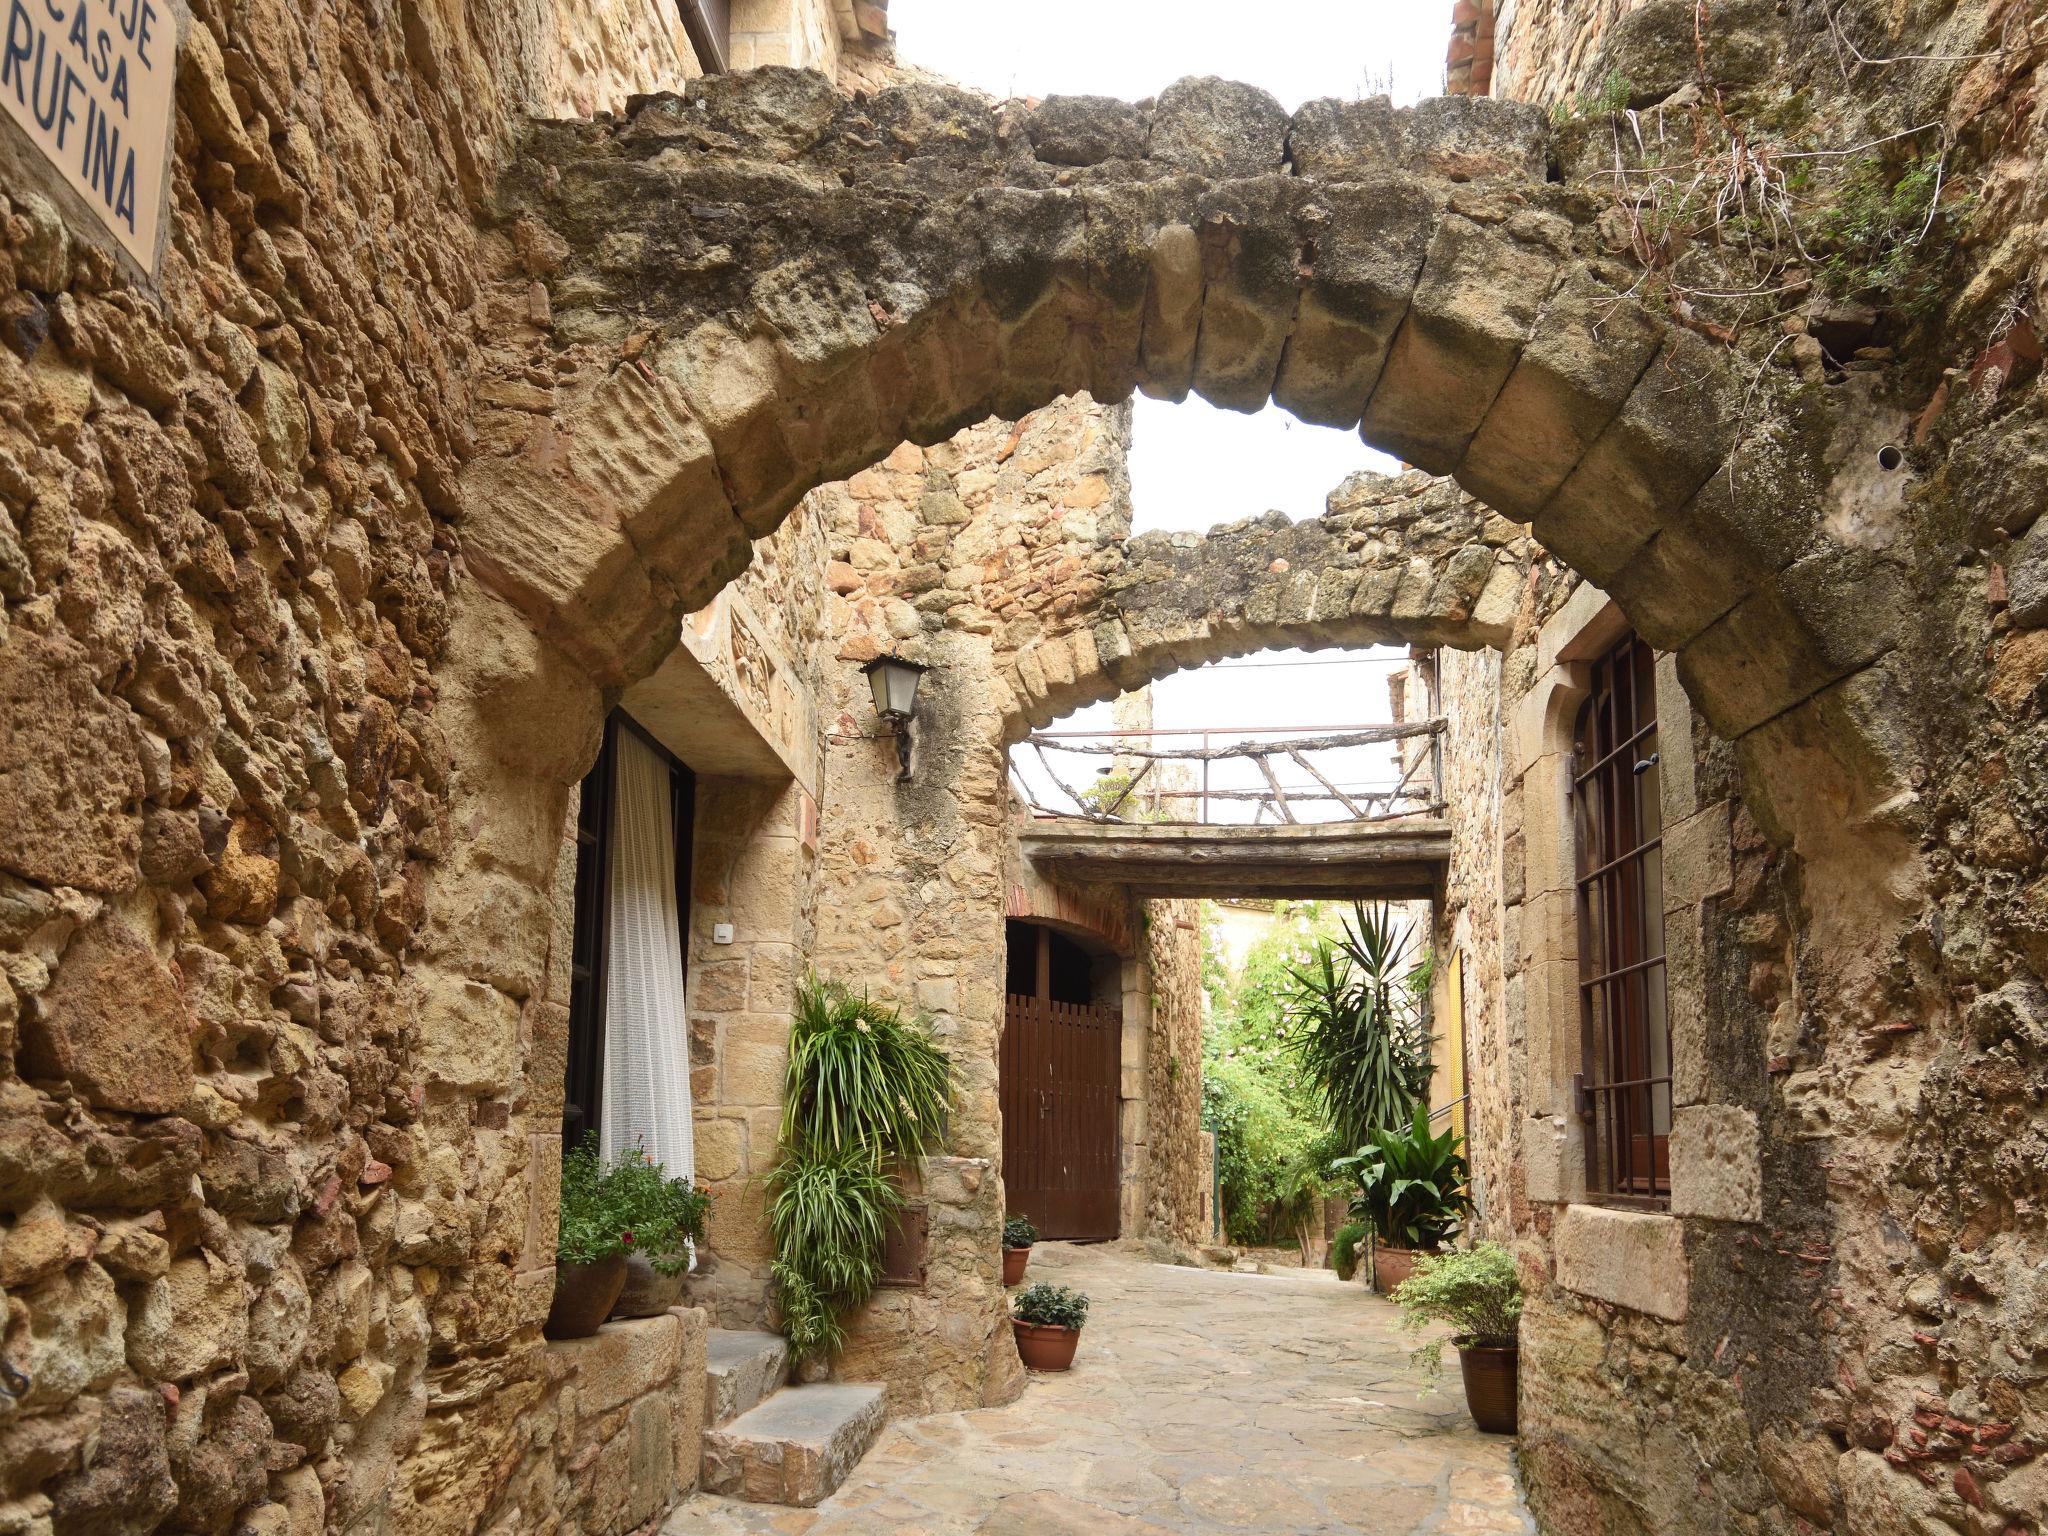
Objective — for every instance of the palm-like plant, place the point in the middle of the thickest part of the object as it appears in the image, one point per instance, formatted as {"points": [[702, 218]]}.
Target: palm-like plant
{"points": [[1411, 1185], [861, 1074], [1358, 1030]]}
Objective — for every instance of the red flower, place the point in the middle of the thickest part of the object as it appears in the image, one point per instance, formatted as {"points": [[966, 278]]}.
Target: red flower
{"points": [[626, 1238]]}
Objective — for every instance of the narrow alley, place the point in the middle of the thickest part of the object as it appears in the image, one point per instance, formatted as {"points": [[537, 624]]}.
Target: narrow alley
{"points": [[1201, 1400]]}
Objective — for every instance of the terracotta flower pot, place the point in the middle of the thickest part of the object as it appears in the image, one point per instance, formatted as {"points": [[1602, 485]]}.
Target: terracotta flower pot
{"points": [[1045, 1347], [584, 1296], [1014, 1260], [1390, 1266], [647, 1292], [1490, 1372]]}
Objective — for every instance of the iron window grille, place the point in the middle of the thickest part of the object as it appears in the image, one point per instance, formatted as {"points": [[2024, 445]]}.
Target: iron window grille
{"points": [[1624, 1087]]}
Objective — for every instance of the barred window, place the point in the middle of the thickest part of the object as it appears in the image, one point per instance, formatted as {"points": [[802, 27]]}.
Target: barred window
{"points": [[1624, 1088]]}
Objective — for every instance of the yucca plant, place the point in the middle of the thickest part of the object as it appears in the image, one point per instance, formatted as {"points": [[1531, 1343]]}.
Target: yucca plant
{"points": [[860, 1074], [1357, 1029]]}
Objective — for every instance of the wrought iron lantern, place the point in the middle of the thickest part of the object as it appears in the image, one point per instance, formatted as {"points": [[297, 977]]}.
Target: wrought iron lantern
{"points": [[894, 681]]}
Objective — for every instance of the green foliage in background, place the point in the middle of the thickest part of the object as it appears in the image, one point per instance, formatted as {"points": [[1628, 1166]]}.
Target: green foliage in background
{"points": [[1477, 1292], [1272, 1148], [628, 1205], [1018, 1232], [865, 1087], [1050, 1306]]}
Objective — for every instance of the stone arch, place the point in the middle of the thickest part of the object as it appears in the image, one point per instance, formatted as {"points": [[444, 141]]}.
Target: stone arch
{"points": [[1404, 560], [732, 296]]}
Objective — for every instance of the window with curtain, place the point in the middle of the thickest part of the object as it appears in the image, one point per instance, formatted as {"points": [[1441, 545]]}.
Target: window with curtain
{"points": [[629, 1044], [1625, 1082]]}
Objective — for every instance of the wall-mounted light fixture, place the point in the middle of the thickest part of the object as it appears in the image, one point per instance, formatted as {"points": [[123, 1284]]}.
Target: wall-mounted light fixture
{"points": [[894, 681]]}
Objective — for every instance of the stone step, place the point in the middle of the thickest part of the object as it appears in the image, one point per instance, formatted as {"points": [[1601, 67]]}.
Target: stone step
{"points": [[796, 1447], [740, 1369]]}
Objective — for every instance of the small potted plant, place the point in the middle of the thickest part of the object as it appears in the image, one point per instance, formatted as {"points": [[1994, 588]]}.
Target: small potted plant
{"points": [[1479, 1294], [1344, 1249], [1018, 1236], [666, 1218], [1411, 1194], [1048, 1321], [601, 1204]]}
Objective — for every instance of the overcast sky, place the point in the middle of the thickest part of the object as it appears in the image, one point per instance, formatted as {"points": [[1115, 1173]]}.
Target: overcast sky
{"points": [[1192, 465]]}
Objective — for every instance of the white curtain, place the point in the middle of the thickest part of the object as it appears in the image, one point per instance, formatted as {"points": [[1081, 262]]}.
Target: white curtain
{"points": [[647, 1034]]}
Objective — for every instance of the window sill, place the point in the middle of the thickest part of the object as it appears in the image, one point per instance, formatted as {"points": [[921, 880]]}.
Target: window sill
{"points": [[1632, 1258]]}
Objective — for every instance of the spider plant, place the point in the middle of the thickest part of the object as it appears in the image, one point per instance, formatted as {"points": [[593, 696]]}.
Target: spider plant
{"points": [[1357, 1029], [864, 1087], [828, 1213], [860, 1074]]}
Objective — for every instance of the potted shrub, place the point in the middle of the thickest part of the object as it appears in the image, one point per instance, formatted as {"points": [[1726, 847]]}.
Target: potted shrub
{"points": [[1344, 1249], [1018, 1236], [1411, 1194], [1479, 1294], [1048, 1321], [590, 1247], [601, 1204], [666, 1219]]}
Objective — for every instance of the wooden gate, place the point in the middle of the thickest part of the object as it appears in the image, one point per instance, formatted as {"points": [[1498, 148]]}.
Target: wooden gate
{"points": [[1060, 1071]]}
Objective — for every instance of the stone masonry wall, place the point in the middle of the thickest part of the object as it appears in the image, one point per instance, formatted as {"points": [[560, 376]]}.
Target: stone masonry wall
{"points": [[276, 1192]]}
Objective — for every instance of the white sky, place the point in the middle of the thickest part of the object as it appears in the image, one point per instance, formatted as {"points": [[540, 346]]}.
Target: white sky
{"points": [[1193, 465]]}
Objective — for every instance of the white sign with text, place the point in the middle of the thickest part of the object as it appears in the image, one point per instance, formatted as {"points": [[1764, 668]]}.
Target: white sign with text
{"points": [[90, 83]]}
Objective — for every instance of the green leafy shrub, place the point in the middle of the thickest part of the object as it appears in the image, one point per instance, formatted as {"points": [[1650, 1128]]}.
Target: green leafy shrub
{"points": [[865, 1087], [860, 1073], [629, 1205], [1477, 1292], [1877, 232], [1411, 1185], [1270, 1146], [1050, 1306], [1359, 1034], [1018, 1232], [1344, 1249]]}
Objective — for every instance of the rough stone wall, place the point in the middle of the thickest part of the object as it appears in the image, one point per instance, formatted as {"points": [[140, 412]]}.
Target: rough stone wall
{"points": [[1469, 921], [1177, 1164], [260, 1228], [1548, 50], [948, 554]]}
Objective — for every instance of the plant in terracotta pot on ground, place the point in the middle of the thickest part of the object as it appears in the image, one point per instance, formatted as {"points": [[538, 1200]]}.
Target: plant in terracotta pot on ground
{"points": [[1048, 1321], [608, 1210], [1018, 1236], [1411, 1193], [1478, 1293]]}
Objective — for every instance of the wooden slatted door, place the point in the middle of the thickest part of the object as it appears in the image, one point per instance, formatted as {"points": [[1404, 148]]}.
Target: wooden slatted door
{"points": [[1060, 1070]]}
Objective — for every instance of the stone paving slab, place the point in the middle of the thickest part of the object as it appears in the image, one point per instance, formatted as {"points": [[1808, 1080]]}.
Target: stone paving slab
{"points": [[1200, 1401]]}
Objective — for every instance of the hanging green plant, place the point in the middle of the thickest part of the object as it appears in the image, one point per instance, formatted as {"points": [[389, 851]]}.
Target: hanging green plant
{"points": [[865, 1087], [828, 1212], [861, 1074]]}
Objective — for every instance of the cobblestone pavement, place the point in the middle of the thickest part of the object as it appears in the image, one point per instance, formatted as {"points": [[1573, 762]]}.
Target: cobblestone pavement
{"points": [[1200, 1401]]}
